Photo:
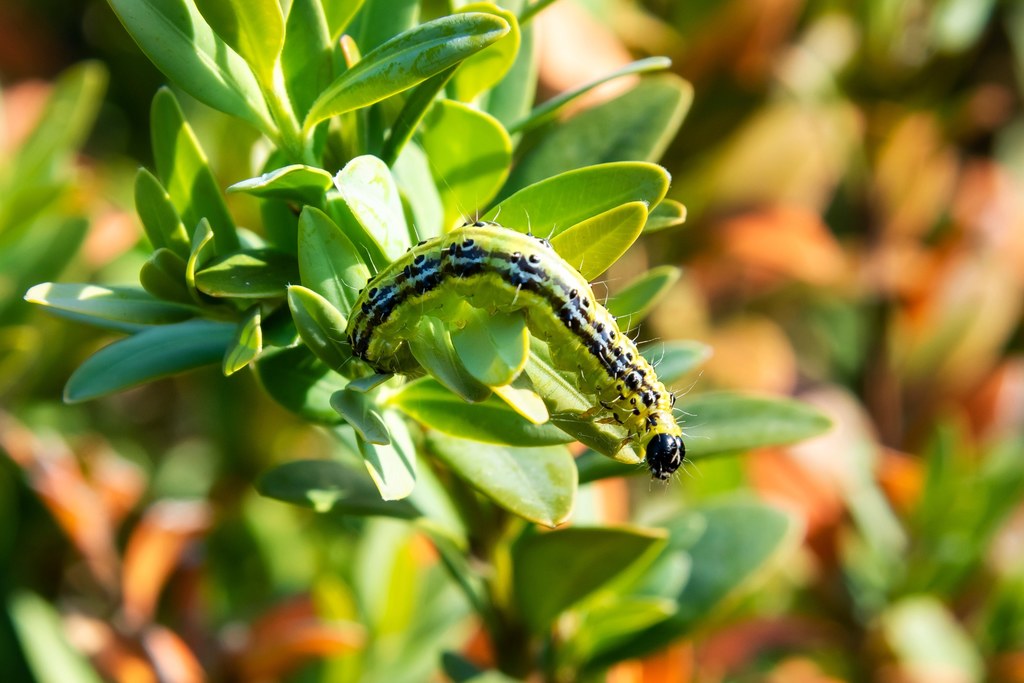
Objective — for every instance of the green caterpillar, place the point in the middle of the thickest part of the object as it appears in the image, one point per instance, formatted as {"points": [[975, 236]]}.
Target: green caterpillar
{"points": [[498, 269]]}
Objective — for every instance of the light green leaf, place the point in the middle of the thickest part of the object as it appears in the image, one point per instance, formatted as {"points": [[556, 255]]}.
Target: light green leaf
{"points": [[487, 67], [489, 421], [248, 342], [306, 60], [632, 303], [330, 486], [924, 635], [252, 28], [339, 15], [297, 183], [431, 346], [119, 308], [538, 484], [423, 200], [151, 354], [593, 245], [363, 414], [257, 274], [554, 571], [328, 261], [47, 651], [180, 43], [668, 214], [510, 99], [321, 326], [554, 204], [470, 154], [392, 467], [417, 103], [185, 173], [405, 60], [371, 195], [493, 348]]}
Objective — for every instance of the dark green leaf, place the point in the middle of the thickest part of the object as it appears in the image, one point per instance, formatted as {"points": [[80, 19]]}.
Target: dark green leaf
{"points": [[328, 261], [300, 382], [493, 348], [118, 308], [306, 60], [672, 360], [321, 326], [151, 354], [330, 486], [632, 303], [258, 274], [297, 183], [415, 108], [159, 217], [163, 276], [392, 466], [363, 414]]}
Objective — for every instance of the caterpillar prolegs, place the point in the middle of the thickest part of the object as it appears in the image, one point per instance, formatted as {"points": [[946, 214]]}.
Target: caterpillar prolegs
{"points": [[498, 269]]}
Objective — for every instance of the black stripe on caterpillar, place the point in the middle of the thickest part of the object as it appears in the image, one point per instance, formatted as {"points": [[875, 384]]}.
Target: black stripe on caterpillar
{"points": [[498, 269]]}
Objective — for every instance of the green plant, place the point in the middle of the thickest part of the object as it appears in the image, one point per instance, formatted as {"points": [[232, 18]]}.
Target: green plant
{"points": [[429, 123]]}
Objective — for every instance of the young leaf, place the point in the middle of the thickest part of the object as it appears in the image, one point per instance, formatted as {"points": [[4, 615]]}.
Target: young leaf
{"points": [[633, 302], [330, 486], [668, 214], [296, 183], [159, 218], [180, 43], [593, 245], [185, 173], [487, 67], [258, 274], [118, 308], [248, 342], [362, 413], [321, 326], [538, 484], [371, 195], [252, 28], [470, 154], [489, 421], [552, 205], [329, 263], [151, 354], [405, 60], [554, 571]]}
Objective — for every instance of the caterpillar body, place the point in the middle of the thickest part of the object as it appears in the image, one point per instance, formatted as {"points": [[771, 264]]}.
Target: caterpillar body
{"points": [[498, 269]]}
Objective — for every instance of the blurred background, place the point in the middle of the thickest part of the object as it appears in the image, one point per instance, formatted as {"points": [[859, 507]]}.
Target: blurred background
{"points": [[855, 237]]}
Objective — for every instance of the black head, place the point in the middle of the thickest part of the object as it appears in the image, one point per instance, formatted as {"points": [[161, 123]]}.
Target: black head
{"points": [[665, 454]]}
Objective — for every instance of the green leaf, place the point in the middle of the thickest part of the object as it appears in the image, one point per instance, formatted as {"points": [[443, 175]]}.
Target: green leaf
{"points": [[510, 100], [321, 326], [470, 154], [163, 276], [722, 423], [184, 171], [431, 346], [616, 620], [672, 360], [306, 60], [417, 103], [248, 342], [300, 382], [151, 354], [405, 60], [493, 348], [393, 466], [632, 303], [487, 67], [49, 655], [330, 486], [368, 383], [737, 544], [554, 571], [547, 111], [362, 413], [159, 218], [202, 252], [118, 308], [252, 28], [257, 274], [328, 261], [181, 44], [924, 635], [422, 198], [296, 183], [668, 214], [636, 126], [371, 195], [490, 421], [380, 20], [552, 205], [596, 243], [538, 484]]}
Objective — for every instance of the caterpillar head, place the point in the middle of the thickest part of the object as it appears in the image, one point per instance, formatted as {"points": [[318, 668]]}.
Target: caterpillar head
{"points": [[665, 453]]}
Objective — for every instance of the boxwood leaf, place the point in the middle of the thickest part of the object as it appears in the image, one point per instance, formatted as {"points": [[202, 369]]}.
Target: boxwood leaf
{"points": [[321, 326], [256, 274], [148, 355], [470, 154], [392, 466], [487, 67], [372, 196], [330, 486], [363, 414], [252, 28], [538, 484], [118, 308], [247, 344], [405, 60], [554, 571], [431, 346], [489, 421], [300, 382], [552, 205], [593, 245], [306, 60], [297, 183], [632, 303], [493, 348], [328, 261], [417, 103], [163, 276], [668, 214], [181, 44], [673, 359], [159, 218]]}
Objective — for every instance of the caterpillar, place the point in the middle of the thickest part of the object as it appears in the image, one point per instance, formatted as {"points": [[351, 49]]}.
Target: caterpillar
{"points": [[498, 269]]}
